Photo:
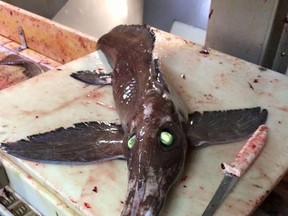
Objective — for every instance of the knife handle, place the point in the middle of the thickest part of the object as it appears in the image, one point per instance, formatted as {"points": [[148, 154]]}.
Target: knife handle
{"points": [[248, 153]]}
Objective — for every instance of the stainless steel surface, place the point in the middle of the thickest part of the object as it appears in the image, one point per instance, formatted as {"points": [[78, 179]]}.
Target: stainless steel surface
{"points": [[162, 13], [12, 204], [250, 30], [23, 44], [3, 177], [45, 8], [236, 169], [280, 62], [223, 190]]}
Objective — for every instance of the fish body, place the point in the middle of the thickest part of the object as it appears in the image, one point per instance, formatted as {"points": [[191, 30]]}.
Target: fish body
{"points": [[31, 68], [146, 109], [155, 132]]}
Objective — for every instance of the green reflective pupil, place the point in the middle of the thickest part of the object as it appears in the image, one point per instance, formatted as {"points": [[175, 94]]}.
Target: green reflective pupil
{"points": [[166, 138], [131, 141]]}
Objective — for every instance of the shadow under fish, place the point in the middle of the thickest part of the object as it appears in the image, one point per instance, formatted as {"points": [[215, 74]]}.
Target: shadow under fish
{"points": [[31, 68], [155, 132]]}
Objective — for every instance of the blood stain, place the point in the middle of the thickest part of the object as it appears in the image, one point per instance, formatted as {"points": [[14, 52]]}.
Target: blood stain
{"points": [[95, 189], [87, 205], [184, 178]]}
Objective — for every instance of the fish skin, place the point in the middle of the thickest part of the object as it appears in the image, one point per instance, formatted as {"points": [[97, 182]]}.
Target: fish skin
{"points": [[145, 109]]}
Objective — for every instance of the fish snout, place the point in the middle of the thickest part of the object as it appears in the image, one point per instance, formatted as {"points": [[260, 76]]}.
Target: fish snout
{"points": [[147, 194], [145, 200]]}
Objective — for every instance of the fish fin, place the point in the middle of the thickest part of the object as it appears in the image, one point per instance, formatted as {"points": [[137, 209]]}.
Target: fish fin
{"points": [[215, 127], [91, 77], [31, 68], [85, 142]]}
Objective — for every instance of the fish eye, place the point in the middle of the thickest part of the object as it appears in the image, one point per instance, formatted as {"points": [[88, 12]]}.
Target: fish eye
{"points": [[166, 138], [131, 141]]}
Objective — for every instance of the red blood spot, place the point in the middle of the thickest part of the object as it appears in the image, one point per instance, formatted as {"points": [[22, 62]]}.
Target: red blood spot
{"points": [[87, 205], [95, 189], [100, 69], [184, 178]]}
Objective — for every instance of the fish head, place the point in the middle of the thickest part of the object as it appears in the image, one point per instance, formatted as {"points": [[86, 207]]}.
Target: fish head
{"points": [[155, 151]]}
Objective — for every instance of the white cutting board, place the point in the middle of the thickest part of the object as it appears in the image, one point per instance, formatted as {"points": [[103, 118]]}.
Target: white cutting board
{"points": [[212, 82]]}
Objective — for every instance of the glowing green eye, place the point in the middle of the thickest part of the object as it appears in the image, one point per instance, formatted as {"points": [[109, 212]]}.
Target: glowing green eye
{"points": [[131, 141], [166, 138]]}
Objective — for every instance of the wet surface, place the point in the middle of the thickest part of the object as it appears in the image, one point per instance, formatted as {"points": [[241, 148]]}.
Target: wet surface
{"points": [[15, 68], [227, 85]]}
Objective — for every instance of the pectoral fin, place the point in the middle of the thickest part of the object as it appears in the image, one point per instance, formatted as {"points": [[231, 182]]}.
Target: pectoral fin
{"points": [[85, 142], [91, 77], [217, 127]]}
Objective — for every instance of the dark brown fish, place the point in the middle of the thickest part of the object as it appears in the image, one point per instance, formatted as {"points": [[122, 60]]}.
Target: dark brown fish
{"points": [[31, 68], [155, 130]]}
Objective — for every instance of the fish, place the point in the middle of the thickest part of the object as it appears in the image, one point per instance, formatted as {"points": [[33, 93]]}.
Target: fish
{"points": [[155, 131], [31, 68]]}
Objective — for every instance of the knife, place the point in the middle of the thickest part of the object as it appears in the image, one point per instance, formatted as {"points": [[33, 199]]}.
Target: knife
{"points": [[233, 171]]}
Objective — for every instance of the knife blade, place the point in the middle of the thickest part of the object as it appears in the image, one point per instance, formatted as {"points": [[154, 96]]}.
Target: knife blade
{"points": [[233, 171]]}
